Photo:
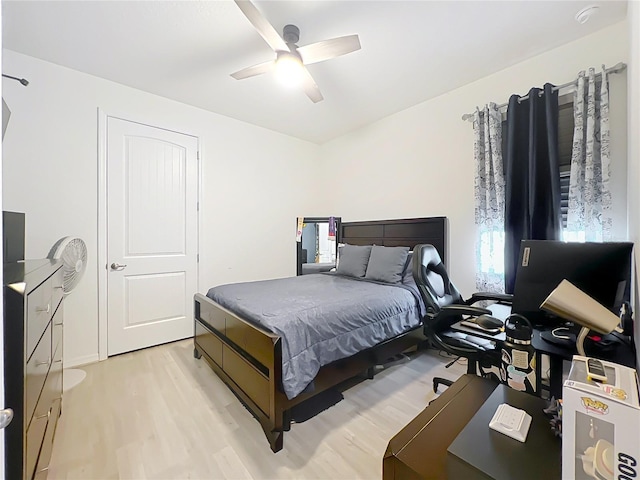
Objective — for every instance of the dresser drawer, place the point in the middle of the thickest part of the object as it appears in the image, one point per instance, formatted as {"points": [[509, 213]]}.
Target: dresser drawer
{"points": [[52, 390], [47, 444], [56, 289], [36, 374], [56, 325], [39, 311], [35, 435]]}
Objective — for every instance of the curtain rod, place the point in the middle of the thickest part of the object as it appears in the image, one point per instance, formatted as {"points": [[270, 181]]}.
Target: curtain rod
{"points": [[619, 67]]}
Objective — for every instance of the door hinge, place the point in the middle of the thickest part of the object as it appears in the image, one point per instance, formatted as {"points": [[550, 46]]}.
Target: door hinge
{"points": [[197, 257]]}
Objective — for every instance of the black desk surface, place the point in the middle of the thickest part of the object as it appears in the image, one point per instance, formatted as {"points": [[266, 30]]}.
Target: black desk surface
{"points": [[622, 354], [481, 452]]}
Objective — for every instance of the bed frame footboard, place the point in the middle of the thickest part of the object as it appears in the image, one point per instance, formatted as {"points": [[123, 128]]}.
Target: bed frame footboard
{"points": [[247, 358], [249, 361]]}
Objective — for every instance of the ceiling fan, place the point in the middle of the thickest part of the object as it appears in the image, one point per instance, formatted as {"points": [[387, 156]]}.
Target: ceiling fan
{"points": [[288, 55]]}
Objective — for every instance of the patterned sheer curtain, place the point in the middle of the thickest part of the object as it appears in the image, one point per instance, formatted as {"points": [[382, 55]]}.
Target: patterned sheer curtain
{"points": [[589, 213], [489, 199]]}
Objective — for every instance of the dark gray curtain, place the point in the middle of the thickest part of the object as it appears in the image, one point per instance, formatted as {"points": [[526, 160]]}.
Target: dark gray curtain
{"points": [[532, 175]]}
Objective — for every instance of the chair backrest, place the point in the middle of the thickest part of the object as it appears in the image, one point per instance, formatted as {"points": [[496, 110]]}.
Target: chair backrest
{"points": [[437, 292], [432, 279]]}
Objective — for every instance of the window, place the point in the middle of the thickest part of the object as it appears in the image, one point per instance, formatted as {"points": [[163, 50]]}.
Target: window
{"points": [[565, 147], [492, 241]]}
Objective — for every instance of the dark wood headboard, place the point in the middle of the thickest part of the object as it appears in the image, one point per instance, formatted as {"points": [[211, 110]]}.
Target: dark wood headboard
{"points": [[407, 232]]}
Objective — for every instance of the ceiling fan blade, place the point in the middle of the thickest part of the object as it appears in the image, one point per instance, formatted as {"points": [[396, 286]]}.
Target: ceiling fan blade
{"points": [[321, 51], [264, 28], [309, 86], [258, 69]]}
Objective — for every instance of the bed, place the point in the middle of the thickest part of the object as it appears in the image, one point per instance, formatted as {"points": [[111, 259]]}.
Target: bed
{"points": [[247, 343]]}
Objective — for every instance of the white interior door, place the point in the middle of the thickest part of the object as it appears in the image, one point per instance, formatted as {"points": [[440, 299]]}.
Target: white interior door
{"points": [[152, 201]]}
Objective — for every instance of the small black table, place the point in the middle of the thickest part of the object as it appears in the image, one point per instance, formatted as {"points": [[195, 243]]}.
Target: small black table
{"points": [[419, 450], [480, 452], [623, 354], [429, 446]]}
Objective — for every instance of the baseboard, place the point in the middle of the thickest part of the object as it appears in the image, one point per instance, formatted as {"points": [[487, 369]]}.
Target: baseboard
{"points": [[76, 362]]}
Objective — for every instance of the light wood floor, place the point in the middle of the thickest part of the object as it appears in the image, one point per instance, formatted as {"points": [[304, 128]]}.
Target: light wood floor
{"points": [[159, 413]]}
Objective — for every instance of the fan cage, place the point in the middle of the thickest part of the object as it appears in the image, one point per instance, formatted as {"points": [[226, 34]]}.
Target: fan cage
{"points": [[73, 254]]}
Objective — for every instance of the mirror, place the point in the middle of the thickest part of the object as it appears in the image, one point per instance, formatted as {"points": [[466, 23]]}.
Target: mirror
{"points": [[316, 252]]}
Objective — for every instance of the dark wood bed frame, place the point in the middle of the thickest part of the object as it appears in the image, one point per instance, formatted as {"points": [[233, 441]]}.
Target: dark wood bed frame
{"points": [[249, 358]]}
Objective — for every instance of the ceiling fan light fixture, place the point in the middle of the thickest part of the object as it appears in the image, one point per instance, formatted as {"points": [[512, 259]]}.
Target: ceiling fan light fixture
{"points": [[288, 65], [288, 69]]}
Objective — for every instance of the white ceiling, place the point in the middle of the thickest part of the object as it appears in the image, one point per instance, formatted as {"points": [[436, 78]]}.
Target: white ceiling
{"points": [[186, 50]]}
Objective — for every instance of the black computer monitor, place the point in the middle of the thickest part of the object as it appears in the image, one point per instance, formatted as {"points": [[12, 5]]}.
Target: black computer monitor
{"points": [[12, 236], [601, 270]]}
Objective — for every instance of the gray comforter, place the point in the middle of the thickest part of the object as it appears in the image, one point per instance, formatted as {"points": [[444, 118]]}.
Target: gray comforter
{"points": [[322, 318]]}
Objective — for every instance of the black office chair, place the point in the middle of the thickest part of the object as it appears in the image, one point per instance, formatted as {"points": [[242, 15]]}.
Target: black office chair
{"points": [[445, 306]]}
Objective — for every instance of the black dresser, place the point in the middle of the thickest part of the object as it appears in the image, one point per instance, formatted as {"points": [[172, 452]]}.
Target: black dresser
{"points": [[32, 364]]}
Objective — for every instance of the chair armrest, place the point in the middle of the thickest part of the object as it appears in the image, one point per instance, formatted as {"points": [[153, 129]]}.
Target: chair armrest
{"points": [[499, 297], [463, 342], [458, 310]]}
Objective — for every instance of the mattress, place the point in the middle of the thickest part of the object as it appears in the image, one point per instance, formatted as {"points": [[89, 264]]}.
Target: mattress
{"points": [[322, 318]]}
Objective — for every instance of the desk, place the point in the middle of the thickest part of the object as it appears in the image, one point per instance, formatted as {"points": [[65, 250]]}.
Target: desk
{"points": [[623, 354], [480, 452], [420, 450]]}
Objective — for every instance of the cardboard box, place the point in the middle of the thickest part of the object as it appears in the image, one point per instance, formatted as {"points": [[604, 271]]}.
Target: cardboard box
{"points": [[600, 424]]}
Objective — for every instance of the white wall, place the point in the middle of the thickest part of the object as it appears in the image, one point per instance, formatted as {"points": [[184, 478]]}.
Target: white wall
{"points": [[419, 162], [253, 180]]}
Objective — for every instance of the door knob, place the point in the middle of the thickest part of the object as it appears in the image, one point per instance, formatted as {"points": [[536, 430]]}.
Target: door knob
{"points": [[6, 416], [117, 266]]}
